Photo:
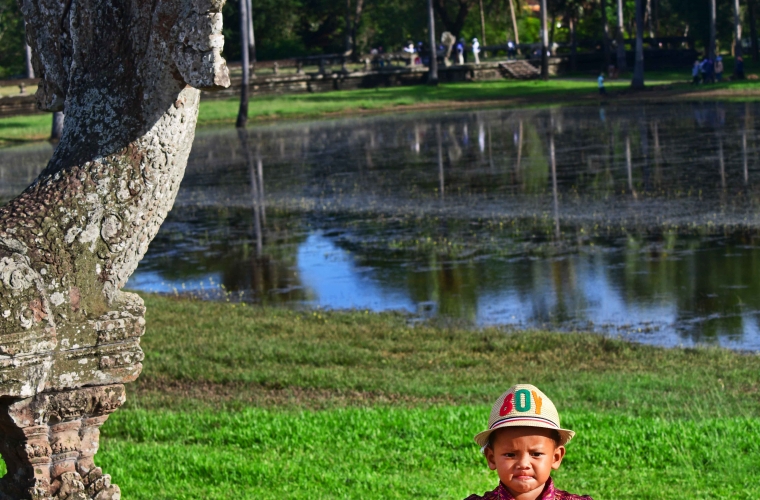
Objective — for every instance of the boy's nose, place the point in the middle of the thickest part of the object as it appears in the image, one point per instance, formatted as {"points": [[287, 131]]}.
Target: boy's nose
{"points": [[524, 462]]}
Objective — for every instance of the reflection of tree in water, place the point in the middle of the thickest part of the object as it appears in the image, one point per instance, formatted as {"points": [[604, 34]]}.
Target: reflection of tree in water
{"points": [[639, 205], [199, 242]]}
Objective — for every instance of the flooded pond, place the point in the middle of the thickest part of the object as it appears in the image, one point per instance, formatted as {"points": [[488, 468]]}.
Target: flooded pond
{"points": [[641, 222]]}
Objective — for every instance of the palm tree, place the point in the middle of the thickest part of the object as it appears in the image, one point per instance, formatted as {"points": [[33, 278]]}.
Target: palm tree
{"points": [[638, 69]]}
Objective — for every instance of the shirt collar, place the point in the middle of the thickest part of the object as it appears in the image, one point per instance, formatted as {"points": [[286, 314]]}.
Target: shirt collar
{"points": [[547, 494]]}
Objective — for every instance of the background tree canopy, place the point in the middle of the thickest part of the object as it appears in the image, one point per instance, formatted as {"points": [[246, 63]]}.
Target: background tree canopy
{"points": [[288, 28], [11, 40]]}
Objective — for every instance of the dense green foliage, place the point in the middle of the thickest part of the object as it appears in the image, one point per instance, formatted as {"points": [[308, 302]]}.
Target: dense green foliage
{"points": [[295, 27], [11, 40], [270, 403], [288, 28]]}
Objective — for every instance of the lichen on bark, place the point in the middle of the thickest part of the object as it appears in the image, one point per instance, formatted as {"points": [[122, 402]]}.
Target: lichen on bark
{"points": [[127, 74]]}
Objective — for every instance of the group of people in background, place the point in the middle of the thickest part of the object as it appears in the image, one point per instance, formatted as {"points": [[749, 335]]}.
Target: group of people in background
{"points": [[709, 71], [418, 54]]}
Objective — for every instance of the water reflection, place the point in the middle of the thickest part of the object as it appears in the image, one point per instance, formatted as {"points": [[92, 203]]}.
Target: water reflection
{"points": [[634, 221]]}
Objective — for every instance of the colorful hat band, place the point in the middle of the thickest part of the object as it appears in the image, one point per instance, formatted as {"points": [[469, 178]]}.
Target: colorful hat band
{"points": [[526, 418]]}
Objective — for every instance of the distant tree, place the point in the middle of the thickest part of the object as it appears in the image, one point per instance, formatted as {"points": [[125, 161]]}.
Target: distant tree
{"points": [[544, 42], [453, 14], [242, 118], [751, 12], [605, 34], [251, 35], [433, 43], [711, 48], [638, 69], [738, 50], [56, 130], [515, 29], [621, 62], [353, 17], [12, 40], [28, 57]]}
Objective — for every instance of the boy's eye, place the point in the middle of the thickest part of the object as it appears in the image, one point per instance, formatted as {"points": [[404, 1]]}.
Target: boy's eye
{"points": [[537, 454], [509, 455]]}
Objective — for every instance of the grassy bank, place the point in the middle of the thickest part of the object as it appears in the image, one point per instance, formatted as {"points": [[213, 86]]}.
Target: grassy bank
{"points": [[503, 93], [245, 402]]}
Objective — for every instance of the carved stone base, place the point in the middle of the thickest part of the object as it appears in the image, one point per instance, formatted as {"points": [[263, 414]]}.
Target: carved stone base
{"points": [[49, 441]]}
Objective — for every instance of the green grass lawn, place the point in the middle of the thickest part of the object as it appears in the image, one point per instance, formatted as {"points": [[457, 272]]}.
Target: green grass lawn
{"points": [[579, 89], [309, 105], [17, 129], [247, 402]]}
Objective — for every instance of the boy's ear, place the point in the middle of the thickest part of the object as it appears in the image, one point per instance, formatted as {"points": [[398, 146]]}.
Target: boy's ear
{"points": [[559, 454], [490, 457]]}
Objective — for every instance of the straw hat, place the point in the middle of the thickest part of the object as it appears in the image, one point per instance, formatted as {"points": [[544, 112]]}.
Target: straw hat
{"points": [[523, 405]]}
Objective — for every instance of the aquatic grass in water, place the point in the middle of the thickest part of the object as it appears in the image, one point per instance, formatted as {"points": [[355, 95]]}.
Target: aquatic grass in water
{"points": [[651, 233]]}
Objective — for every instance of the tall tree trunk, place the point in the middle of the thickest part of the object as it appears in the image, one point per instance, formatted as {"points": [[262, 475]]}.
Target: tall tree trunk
{"points": [[348, 43], [242, 118], [605, 35], [433, 74], [544, 43], [453, 25], [482, 26], [28, 60], [251, 38], [573, 45], [638, 69], [711, 47], [70, 336], [753, 30], [738, 50], [28, 56], [650, 19], [621, 62], [515, 31], [355, 29], [56, 131], [553, 25]]}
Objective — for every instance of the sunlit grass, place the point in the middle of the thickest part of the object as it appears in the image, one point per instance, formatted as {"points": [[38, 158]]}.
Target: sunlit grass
{"points": [[248, 402], [308, 104], [410, 452], [25, 128], [242, 352], [311, 105]]}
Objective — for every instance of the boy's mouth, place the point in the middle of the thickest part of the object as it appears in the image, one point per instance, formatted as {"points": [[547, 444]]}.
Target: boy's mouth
{"points": [[523, 477]]}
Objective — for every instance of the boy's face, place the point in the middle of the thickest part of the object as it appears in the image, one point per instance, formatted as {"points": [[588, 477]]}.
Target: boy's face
{"points": [[524, 458]]}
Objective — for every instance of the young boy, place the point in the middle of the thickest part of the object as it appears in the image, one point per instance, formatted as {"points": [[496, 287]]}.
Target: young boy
{"points": [[523, 444]]}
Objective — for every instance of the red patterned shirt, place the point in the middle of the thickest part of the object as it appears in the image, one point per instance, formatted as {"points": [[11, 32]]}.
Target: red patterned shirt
{"points": [[549, 493]]}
